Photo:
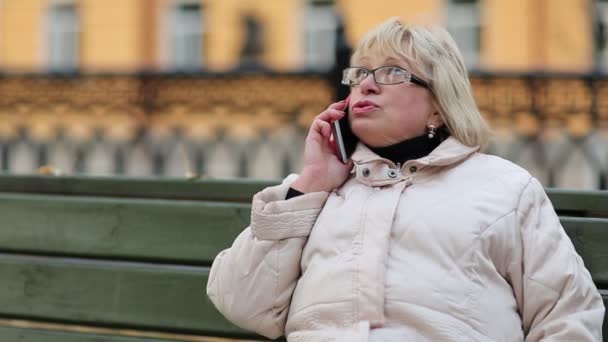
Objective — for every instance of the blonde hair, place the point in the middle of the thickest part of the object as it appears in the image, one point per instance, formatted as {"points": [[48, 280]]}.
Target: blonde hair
{"points": [[433, 55]]}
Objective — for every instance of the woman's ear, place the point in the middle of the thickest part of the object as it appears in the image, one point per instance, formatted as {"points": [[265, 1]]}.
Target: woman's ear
{"points": [[436, 119]]}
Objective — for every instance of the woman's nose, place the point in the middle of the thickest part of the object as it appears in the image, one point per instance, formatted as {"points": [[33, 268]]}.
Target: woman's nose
{"points": [[369, 85]]}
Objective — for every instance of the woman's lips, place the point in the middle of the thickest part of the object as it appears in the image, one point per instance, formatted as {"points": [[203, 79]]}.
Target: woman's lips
{"points": [[364, 109]]}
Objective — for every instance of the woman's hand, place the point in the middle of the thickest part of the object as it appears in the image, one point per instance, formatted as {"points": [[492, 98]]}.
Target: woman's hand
{"points": [[322, 170]]}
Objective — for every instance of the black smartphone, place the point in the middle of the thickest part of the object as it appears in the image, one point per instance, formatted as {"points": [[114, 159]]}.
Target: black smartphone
{"points": [[345, 139]]}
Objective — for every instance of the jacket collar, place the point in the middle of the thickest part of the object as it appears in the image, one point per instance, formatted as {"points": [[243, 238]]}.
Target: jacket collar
{"points": [[371, 169]]}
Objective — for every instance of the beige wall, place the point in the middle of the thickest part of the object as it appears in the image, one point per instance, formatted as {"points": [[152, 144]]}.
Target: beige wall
{"points": [[362, 15], [126, 35], [568, 35], [507, 38], [537, 35], [280, 21], [21, 30], [112, 34], [223, 37]]}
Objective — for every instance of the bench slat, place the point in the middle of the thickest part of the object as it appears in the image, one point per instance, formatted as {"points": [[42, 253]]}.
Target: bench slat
{"points": [[572, 202], [579, 203], [129, 295], [230, 190], [112, 294], [176, 231], [590, 238], [33, 331], [40, 335], [193, 232]]}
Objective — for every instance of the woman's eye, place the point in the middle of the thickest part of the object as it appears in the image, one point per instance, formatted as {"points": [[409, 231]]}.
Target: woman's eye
{"points": [[394, 71]]}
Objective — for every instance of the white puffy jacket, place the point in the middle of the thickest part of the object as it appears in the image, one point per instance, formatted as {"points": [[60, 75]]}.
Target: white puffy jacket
{"points": [[456, 246]]}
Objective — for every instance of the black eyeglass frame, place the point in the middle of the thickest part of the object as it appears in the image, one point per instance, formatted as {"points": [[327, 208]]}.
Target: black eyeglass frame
{"points": [[412, 79]]}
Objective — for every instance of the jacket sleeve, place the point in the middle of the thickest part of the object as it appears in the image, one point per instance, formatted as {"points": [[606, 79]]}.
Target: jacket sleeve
{"points": [[556, 296], [251, 283]]}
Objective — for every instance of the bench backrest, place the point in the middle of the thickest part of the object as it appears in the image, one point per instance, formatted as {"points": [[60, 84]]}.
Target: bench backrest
{"points": [[126, 259]]}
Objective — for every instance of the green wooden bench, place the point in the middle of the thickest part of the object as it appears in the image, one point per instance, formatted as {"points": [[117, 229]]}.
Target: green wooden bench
{"points": [[127, 259]]}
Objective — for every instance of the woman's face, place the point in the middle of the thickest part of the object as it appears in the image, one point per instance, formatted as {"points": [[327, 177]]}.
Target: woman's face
{"points": [[394, 112]]}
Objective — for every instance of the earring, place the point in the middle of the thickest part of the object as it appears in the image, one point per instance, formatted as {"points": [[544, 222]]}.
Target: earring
{"points": [[432, 131]]}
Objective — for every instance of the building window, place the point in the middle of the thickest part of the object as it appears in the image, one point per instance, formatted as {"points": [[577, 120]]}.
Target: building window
{"points": [[463, 23], [187, 36], [320, 23], [63, 37], [252, 50], [600, 11]]}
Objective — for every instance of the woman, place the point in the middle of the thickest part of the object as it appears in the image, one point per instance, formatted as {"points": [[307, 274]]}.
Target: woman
{"points": [[420, 237]]}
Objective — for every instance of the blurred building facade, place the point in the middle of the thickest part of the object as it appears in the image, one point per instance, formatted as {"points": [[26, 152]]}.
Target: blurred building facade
{"points": [[169, 35], [226, 88]]}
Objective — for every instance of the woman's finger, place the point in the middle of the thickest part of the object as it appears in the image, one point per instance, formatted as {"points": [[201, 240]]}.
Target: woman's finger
{"points": [[338, 105], [330, 115], [321, 127], [320, 134], [325, 129]]}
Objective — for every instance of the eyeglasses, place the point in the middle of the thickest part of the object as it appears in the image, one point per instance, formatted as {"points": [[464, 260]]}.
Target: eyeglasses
{"points": [[385, 75]]}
